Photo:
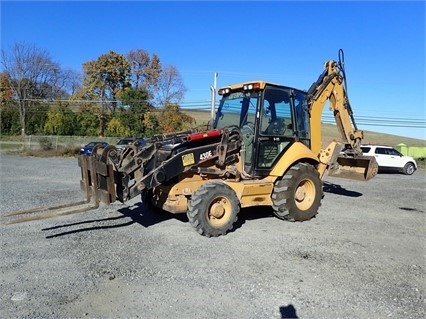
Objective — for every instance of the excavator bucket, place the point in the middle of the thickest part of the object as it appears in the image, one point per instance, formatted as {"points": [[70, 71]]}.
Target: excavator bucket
{"points": [[97, 183], [356, 167]]}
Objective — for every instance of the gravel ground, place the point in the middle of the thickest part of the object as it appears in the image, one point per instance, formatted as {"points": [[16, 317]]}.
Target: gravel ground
{"points": [[363, 256]]}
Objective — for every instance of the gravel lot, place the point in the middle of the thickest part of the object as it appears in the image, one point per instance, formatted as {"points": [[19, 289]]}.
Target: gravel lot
{"points": [[363, 256]]}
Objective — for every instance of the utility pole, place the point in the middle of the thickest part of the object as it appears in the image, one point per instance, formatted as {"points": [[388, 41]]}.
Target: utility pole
{"points": [[213, 100]]}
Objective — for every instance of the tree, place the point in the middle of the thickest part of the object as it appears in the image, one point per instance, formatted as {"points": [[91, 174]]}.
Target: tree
{"points": [[145, 71], [88, 118], [151, 124], [106, 77], [172, 119], [103, 80], [170, 88], [116, 128], [6, 90], [135, 103], [36, 118], [9, 119], [33, 76], [9, 115], [60, 121]]}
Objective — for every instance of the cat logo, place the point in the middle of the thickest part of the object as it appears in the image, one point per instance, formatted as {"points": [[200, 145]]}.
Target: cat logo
{"points": [[188, 159]]}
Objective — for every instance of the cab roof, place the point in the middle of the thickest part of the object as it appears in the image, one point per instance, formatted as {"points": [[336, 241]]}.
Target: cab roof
{"points": [[261, 83]]}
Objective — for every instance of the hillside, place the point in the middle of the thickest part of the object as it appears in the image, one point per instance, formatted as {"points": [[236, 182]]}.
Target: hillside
{"points": [[330, 132]]}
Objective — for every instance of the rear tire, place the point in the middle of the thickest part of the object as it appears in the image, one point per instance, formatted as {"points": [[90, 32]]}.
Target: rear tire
{"points": [[409, 169], [297, 196], [213, 209]]}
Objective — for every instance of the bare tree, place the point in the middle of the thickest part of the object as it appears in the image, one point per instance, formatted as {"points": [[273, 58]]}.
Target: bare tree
{"points": [[170, 88], [66, 83], [34, 76], [145, 70]]}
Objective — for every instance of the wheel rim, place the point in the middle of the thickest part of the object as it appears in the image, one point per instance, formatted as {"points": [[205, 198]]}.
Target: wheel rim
{"points": [[305, 194], [410, 169], [219, 212]]}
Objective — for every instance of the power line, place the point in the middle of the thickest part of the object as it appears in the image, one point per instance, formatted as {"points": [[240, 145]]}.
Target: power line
{"points": [[205, 105]]}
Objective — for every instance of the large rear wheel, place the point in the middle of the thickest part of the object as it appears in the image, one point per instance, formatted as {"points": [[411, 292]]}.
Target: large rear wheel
{"points": [[213, 209], [297, 196]]}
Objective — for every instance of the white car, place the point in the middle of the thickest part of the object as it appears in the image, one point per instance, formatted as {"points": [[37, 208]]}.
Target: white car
{"points": [[390, 159]]}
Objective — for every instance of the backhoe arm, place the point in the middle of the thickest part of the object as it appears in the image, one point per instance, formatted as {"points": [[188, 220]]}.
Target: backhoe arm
{"points": [[330, 87]]}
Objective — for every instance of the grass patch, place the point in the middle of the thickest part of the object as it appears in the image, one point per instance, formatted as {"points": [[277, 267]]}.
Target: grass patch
{"points": [[10, 146], [68, 151]]}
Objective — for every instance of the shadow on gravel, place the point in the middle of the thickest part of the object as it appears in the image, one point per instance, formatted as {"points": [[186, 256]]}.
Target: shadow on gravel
{"points": [[137, 213], [288, 312], [339, 190], [143, 215], [252, 213]]}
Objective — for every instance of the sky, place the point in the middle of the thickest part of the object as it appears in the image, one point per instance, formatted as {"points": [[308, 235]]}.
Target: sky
{"points": [[286, 42]]}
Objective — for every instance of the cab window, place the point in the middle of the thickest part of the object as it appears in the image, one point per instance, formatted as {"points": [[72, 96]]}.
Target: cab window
{"points": [[276, 113]]}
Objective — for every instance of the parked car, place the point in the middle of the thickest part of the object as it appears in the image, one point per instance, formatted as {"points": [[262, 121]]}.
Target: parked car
{"points": [[124, 142], [389, 159], [88, 148]]}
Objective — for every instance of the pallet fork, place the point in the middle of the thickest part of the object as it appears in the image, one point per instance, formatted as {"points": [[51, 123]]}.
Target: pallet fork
{"points": [[97, 184]]}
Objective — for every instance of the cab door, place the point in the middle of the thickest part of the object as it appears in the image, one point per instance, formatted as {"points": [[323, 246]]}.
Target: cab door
{"points": [[276, 128]]}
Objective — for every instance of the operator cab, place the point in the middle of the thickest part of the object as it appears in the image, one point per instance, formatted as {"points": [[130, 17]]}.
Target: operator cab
{"points": [[271, 118]]}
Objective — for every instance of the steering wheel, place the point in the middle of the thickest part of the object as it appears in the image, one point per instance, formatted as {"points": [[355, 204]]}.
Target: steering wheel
{"points": [[276, 127], [248, 128]]}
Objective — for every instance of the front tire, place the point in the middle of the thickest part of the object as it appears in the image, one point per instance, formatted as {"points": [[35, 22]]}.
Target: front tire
{"points": [[409, 169], [297, 196], [213, 209]]}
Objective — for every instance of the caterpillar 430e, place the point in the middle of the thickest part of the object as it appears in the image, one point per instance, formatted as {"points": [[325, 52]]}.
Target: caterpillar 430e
{"points": [[263, 149]]}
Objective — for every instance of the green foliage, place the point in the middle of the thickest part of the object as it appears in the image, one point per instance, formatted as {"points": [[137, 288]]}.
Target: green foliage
{"points": [[9, 119], [61, 121], [136, 100], [135, 105], [151, 124], [118, 90], [36, 117], [116, 128], [88, 119]]}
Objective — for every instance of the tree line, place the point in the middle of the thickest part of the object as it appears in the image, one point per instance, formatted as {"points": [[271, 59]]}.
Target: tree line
{"points": [[116, 95]]}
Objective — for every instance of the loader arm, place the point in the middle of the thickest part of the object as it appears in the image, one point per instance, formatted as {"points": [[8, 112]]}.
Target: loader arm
{"points": [[188, 159], [123, 175]]}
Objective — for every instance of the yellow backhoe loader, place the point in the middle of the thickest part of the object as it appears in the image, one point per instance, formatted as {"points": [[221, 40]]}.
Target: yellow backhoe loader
{"points": [[263, 149]]}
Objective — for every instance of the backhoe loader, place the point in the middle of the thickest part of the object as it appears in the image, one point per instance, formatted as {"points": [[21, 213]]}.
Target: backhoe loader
{"points": [[263, 149]]}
